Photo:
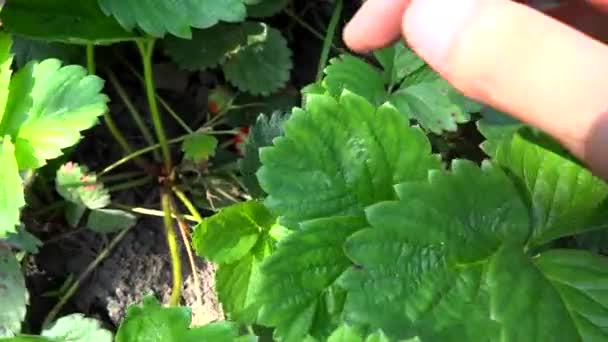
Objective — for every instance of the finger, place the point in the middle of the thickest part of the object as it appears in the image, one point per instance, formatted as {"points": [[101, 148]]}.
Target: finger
{"points": [[600, 4], [376, 25], [520, 61]]}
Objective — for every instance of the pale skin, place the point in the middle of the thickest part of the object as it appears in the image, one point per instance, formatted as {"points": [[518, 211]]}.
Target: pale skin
{"points": [[548, 69]]}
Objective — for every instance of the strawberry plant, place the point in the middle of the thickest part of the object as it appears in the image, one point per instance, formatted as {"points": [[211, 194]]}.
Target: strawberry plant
{"points": [[381, 237], [333, 217]]}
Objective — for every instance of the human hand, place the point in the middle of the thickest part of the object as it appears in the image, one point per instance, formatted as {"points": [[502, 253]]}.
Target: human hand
{"points": [[549, 69]]}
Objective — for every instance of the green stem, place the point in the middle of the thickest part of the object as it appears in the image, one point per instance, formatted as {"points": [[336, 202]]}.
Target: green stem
{"points": [[311, 29], [130, 184], [72, 290], [91, 59], [139, 121], [148, 149], [146, 48], [114, 131], [120, 177], [116, 134], [329, 37], [162, 102], [176, 264], [188, 204], [173, 114], [184, 229], [150, 212], [138, 153]]}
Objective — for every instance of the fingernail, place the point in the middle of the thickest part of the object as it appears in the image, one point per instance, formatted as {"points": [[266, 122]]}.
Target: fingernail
{"points": [[432, 27]]}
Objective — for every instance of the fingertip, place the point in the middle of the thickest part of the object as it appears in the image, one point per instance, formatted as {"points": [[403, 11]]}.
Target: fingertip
{"points": [[432, 26], [377, 24]]}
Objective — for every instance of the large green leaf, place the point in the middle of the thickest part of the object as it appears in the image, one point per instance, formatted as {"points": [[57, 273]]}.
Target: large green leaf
{"points": [[79, 22], [406, 82], [521, 294], [262, 134], [581, 279], [48, 107], [238, 238], [176, 17], [13, 294], [564, 197], [77, 328], [448, 263], [297, 278], [151, 322], [11, 189], [420, 266], [338, 156]]}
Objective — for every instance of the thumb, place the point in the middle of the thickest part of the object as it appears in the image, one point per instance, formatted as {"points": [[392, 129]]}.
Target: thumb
{"points": [[520, 61]]}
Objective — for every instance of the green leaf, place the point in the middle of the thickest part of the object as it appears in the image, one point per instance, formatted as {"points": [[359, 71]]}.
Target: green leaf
{"points": [[496, 127], [581, 279], [347, 333], [48, 107], [421, 265], [339, 156], [212, 46], [11, 189], [266, 8], [262, 134], [297, 278], [521, 294], [13, 294], [230, 234], [428, 104], [354, 74], [564, 197], [262, 66], [74, 213], [24, 240], [447, 263], [79, 186], [76, 22], [150, 322], [77, 328], [238, 238], [151, 17], [6, 60], [110, 220], [236, 285], [415, 89], [199, 147], [27, 50], [398, 61]]}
